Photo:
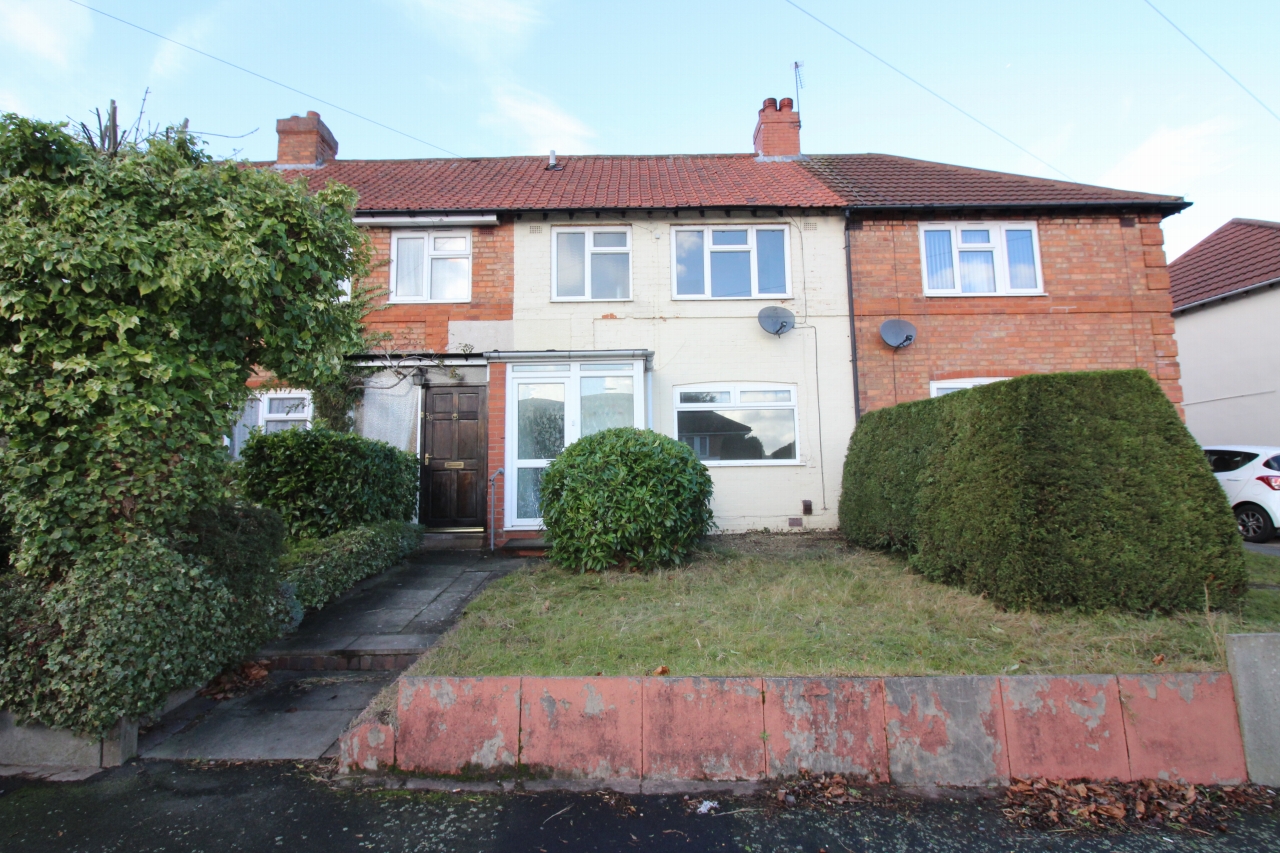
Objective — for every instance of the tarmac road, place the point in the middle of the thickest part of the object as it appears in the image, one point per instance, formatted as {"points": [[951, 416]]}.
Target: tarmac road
{"points": [[179, 806]]}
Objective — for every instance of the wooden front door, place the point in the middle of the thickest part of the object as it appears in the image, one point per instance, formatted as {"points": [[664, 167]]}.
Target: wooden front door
{"points": [[453, 457]]}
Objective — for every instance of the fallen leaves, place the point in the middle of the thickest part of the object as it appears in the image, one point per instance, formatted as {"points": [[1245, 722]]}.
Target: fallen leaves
{"points": [[237, 681], [1063, 805], [822, 789], [662, 670], [1158, 659]]}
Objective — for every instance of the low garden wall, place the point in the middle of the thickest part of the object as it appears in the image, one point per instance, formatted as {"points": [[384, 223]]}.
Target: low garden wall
{"points": [[956, 730]]}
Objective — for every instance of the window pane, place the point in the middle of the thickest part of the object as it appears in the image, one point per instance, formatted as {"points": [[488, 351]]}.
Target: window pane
{"points": [[704, 397], [765, 397], [730, 274], [946, 389], [607, 402], [528, 492], [605, 367], [540, 421], [937, 252], [771, 270], [728, 238], [286, 405], [409, 254], [739, 434], [451, 244], [1022, 260], [609, 239], [1273, 463], [977, 272], [690, 278], [979, 236], [450, 278], [611, 276], [280, 426], [571, 269], [540, 368]]}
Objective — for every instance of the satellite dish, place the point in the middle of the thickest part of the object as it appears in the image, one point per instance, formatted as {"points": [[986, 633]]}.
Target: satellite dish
{"points": [[897, 333], [776, 320]]}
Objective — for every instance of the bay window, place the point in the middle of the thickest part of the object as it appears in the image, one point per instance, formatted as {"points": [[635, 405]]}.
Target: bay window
{"points": [[430, 266], [738, 424], [980, 259], [730, 262]]}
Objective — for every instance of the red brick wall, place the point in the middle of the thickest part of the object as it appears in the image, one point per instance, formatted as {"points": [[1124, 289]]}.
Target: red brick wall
{"points": [[419, 327], [497, 435], [1107, 307]]}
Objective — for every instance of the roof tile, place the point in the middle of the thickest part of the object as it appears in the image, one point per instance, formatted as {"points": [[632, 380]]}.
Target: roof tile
{"points": [[1242, 253]]}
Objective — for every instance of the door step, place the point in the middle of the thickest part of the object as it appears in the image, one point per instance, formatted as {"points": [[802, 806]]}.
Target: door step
{"points": [[468, 541]]}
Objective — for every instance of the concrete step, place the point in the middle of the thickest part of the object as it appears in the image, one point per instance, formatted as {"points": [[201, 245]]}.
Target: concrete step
{"points": [[468, 541], [375, 652]]}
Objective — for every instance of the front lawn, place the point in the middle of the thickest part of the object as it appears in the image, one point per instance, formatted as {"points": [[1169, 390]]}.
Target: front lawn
{"points": [[806, 604]]}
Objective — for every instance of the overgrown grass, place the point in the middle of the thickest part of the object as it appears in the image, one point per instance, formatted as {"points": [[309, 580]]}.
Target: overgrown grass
{"points": [[808, 605]]}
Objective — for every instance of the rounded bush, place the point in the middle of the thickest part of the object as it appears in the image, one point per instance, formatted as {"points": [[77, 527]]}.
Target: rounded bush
{"points": [[321, 481], [626, 497]]}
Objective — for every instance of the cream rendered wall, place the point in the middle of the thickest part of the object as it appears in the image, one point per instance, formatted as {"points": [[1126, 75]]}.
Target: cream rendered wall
{"points": [[1231, 369], [719, 341]]}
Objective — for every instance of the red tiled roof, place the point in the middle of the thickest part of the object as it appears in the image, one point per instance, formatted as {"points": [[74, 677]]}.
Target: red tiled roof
{"points": [[1241, 253], [700, 180], [885, 181], [525, 183]]}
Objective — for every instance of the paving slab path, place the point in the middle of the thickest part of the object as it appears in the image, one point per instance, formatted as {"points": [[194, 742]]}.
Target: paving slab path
{"points": [[326, 672]]}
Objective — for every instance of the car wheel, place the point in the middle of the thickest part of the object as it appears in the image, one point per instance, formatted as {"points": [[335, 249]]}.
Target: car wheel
{"points": [[1255, 524]]}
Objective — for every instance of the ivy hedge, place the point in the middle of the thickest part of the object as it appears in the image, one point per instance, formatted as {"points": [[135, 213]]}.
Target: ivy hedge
{"points": [[320, 570], [625, 496], [1048, 492], [321, 481]]}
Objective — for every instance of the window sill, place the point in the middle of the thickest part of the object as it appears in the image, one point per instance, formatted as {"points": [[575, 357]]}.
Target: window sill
{"points": [[524, 527], [394, 301], [580, 300], [762, 298], [983, 295], [751, 463]]}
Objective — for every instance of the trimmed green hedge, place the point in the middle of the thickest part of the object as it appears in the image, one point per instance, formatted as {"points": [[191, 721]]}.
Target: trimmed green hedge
{"points": [[133, 621], [625, 496], [322, 481], [1047, 492], [320, 570]]}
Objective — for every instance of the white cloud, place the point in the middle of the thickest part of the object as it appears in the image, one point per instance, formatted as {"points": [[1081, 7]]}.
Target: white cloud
{"points": [[536, 122], [51, 31], [1171, 159], [170, 59], [485, 29], [10, 102]]}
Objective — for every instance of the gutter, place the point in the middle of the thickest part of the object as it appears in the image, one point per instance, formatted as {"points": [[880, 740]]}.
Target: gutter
{"points": [[1166, 207], [572, 355], [1222, 297], [853, 327], [402, 219]]}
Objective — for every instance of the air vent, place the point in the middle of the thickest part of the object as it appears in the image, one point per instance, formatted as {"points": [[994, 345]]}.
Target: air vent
{"points": [[811, 226], [535, 229]]}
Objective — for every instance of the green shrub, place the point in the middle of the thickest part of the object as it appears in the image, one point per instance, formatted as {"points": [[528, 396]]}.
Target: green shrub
{"points": [[625, 496], [134, 621], [319, 570], [887, 452], [321, 481], [1067, 490]]}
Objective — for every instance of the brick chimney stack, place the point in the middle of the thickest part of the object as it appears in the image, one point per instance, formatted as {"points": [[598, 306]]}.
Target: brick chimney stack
{"points": [[778, 130], [304, 141]]}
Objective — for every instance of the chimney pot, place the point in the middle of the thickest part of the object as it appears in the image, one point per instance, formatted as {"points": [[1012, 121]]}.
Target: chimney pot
{"points": [[778, 130], [304, 141]]}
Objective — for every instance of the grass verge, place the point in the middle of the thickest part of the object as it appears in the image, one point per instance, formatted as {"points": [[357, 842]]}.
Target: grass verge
{"points": [[809, 605]]}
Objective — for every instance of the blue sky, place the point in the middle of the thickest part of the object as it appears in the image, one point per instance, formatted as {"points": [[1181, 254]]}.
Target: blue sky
{"points": [[1103, 90]]}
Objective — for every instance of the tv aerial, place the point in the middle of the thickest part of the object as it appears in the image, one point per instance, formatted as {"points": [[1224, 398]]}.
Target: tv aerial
{"points": [[897, 333], [776, 320]]}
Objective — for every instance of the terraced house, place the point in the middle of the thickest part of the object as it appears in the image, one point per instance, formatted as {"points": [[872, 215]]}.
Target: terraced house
{"points": [[737, 302]]}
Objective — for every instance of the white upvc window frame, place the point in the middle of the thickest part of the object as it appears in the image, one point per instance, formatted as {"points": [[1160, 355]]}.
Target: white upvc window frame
{"points": [[429, 235], [945, 386], [999, 247], [571, 374], [591, 249], [708, 249], [301, 416], [736, 390]]}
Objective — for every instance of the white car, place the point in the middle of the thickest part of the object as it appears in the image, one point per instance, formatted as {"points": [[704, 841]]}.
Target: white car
{"points": [[1250, 476]]}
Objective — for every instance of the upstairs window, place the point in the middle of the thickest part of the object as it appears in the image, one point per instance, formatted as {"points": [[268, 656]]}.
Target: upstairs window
{"points": [[591, 264], [431, 266], [731, 262], [980, 259], [946, 386]]}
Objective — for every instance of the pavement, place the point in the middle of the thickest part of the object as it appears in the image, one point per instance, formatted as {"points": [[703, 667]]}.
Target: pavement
{"points": [[390, 618], [184, 806], [1272, 548]]}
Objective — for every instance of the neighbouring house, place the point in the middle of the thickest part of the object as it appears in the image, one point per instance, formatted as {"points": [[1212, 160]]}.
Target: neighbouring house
{"points": [[533, 300], [1226, 305]]}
